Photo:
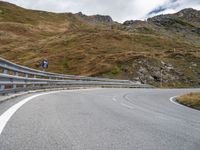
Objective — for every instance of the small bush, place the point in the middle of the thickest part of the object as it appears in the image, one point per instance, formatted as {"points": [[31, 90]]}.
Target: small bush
{"points": [[116, 70], [66, 63]]}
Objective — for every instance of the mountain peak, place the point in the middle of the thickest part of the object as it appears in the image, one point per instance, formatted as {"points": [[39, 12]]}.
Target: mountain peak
{"points": [[187, 10], [189, 14]]}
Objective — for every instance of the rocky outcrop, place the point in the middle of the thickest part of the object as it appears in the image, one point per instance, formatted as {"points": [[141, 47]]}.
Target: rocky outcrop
{"points": [[190, 15], [102, 19], [135, 23], [96, 19], [185, 22], [129, 22], [185, 18], [168, 21]]}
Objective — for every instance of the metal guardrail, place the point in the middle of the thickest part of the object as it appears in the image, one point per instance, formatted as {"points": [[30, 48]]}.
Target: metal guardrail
{"points": [[15, 78]]}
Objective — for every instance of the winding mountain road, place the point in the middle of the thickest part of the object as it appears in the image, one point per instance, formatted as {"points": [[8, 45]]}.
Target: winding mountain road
{"points": [[101, 119]]}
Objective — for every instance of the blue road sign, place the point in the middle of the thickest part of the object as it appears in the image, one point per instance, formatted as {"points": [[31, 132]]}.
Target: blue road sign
{"points": [[45, 64]]}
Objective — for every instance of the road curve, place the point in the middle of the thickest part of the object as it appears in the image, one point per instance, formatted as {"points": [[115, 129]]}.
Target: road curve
{"points": [[102, 119]]}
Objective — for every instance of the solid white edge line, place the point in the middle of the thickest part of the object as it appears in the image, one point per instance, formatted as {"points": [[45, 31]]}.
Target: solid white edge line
{"points": [[172, 99], [5, 117]]}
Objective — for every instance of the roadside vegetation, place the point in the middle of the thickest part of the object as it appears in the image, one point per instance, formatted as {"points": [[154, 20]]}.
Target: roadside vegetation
{"points": [[191, 100]]}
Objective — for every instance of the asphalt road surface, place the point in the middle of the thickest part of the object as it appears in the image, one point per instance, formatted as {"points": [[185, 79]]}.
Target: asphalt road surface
{"points": [[102, 119]]}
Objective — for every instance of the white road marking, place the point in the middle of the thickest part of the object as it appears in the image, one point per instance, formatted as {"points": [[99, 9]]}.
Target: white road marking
{"points": [[172, 100], [114, 99], [127, 106], [5, 117], [161, 117]]}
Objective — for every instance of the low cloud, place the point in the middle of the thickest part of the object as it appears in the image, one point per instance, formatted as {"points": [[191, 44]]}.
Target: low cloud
{"points": [[119, 10]]}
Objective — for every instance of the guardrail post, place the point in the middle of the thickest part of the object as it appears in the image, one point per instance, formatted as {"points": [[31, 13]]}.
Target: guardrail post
{"points": [[26, 77], [14, 85], [2, 87], [5, 71], [34, 76], [49, 85]]}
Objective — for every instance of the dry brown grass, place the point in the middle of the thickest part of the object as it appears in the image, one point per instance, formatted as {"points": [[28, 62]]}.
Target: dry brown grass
{"points": [[191, 100], [27, 37]]}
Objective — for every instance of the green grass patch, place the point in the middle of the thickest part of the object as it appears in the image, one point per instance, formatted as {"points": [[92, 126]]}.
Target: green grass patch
{"points": [[65, 63], [116, 70]]}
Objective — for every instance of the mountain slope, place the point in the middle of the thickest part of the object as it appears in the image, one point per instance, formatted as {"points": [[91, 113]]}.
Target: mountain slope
{"points": [[98, 46]]}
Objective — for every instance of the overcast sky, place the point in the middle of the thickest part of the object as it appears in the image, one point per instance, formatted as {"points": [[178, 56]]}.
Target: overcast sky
{"points": [[119, 10]]}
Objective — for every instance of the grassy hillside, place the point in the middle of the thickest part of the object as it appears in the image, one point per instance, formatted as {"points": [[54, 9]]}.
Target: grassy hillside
{"points": [[74, 45]]}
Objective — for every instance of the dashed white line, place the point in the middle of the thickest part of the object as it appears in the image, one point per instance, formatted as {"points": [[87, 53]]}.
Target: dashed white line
{"points": [[127, 106], [114, 99], [161, 117]]}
